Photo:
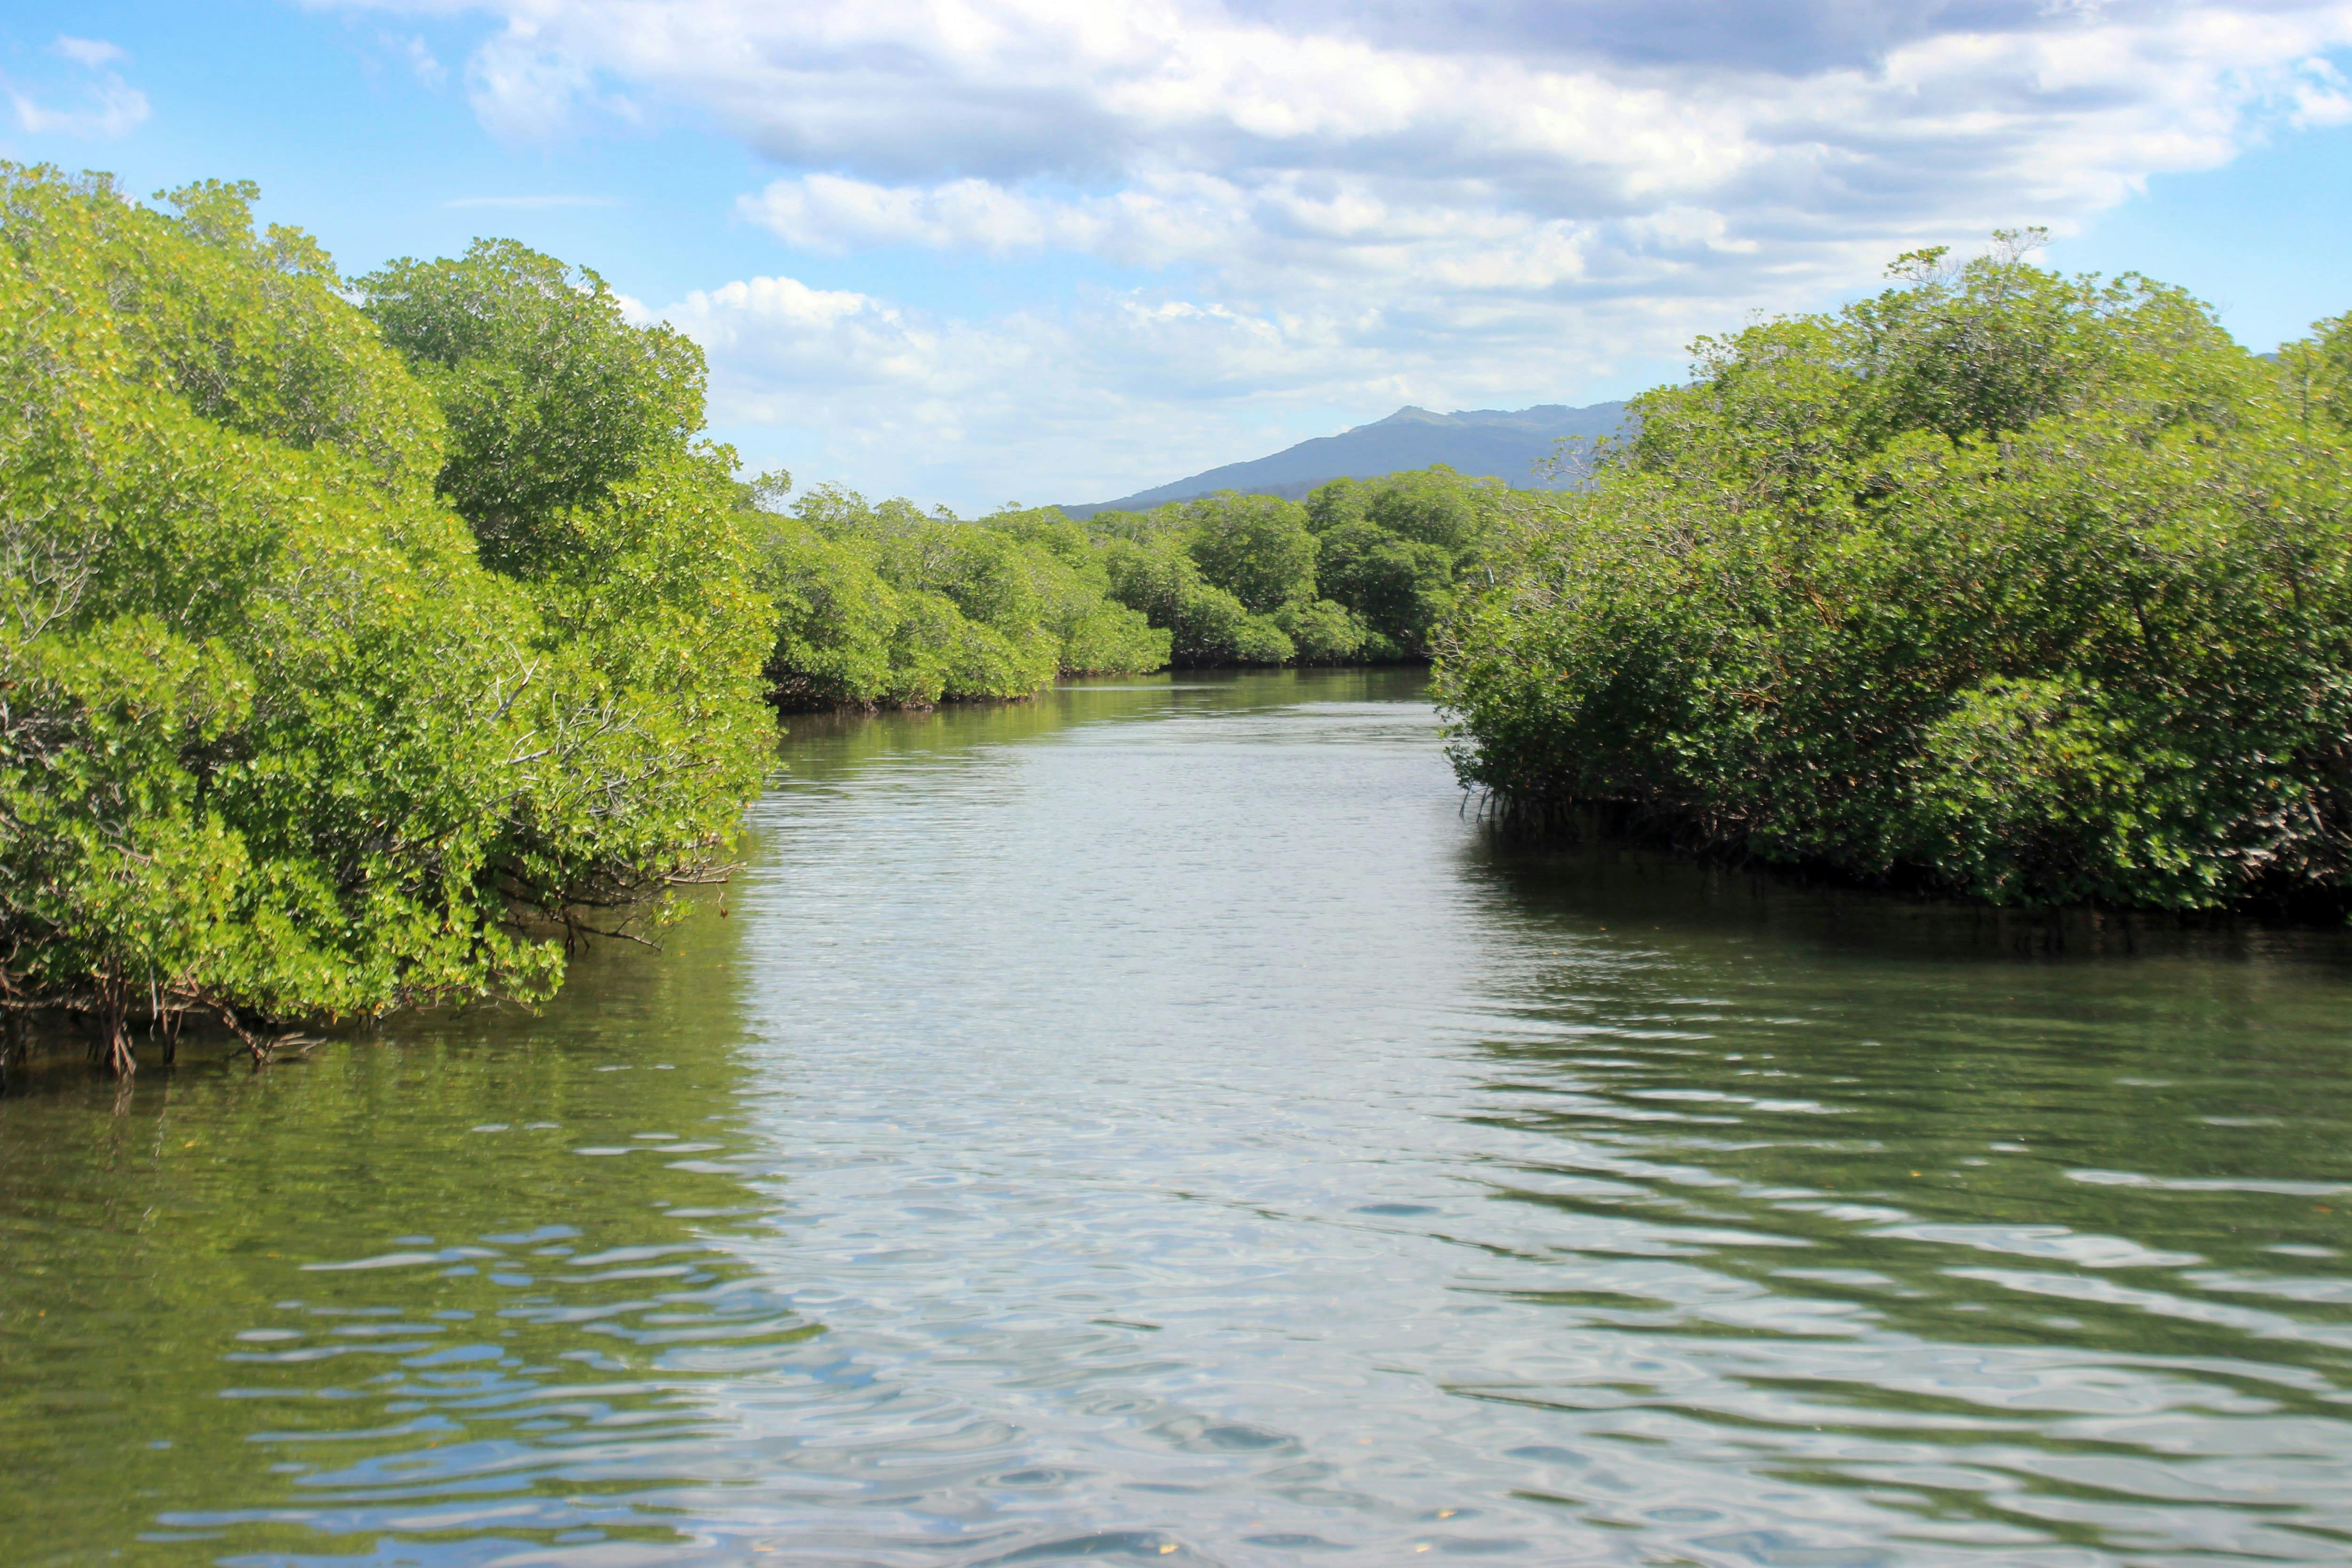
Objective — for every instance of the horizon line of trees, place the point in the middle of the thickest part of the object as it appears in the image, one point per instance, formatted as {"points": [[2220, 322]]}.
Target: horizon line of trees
{"points": [[886, 606]]}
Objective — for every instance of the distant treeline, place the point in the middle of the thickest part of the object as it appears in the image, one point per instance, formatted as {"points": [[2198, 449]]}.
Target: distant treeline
{"points": [[2031, 589], [887, 606]]}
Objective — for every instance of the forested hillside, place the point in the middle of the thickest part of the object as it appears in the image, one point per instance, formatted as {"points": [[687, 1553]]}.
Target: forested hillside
{"points": [[2029, 588], [1516, 447], [1362, 573]]}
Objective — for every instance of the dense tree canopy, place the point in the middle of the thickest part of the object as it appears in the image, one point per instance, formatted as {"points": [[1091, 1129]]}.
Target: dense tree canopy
{"points": [[551, 397], [884, 604], [1394, 550], [275, 745], [2031, 588], [1364, 571], [887, 606]]}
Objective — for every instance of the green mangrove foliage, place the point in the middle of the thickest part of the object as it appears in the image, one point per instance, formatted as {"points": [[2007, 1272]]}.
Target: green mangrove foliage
{"points": [[2028, 588], [1363, 572], [885, 605], [1228, 576], [351, 657], [1396, 551]]}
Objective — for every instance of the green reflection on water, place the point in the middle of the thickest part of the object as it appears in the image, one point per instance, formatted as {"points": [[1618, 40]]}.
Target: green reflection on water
{"points": [[223, 1282], [1157, 1115]]}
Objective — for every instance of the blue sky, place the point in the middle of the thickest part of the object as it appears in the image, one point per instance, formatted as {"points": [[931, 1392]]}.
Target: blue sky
{"points": [[980, 250]]}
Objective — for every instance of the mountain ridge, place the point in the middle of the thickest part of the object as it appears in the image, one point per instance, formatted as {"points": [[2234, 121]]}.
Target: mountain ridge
{"points": [[1507, 443]]}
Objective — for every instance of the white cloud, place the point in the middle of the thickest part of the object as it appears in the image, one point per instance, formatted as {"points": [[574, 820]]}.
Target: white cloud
{"points": [[429, 71], [94, 53], [1328, 203], [110, 106], [1107, 393], [2321, 94]]}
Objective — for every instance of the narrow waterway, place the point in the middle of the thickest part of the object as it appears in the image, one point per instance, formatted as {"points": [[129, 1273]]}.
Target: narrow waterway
{"points": [[1155, 1124]]}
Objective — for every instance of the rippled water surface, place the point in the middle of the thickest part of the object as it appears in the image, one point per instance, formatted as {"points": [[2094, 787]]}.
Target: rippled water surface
{"points": [[1153, 1124]]}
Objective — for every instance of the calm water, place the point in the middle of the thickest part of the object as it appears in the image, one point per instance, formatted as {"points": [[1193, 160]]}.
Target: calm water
{"points": [[1152, 1124]]}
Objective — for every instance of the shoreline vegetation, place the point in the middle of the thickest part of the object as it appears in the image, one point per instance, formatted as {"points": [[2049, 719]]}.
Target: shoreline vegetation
{"points": [[888, 606], [363, 643], [368, 643], [2000, 586]]}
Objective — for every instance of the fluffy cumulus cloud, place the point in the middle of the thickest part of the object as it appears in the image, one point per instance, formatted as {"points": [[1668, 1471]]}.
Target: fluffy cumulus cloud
{"points": [[1330, 202], [1033, 407], [101, 106]]}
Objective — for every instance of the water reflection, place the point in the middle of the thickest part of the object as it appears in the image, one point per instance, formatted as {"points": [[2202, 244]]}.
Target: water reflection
{"points": [[1155, 1125], [1993, 1251]]}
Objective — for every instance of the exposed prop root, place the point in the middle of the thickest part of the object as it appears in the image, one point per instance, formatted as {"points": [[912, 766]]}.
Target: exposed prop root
{"points": [[110, 1019], [264, 1047], [12, 1041]]}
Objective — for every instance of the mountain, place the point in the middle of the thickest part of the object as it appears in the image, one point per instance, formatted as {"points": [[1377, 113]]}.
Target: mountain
{"points": [[1506, 443]]}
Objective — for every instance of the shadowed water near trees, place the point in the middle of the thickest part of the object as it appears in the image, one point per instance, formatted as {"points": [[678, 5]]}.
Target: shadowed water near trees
{"points": [[237, 1229], [1253, 1186]]}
